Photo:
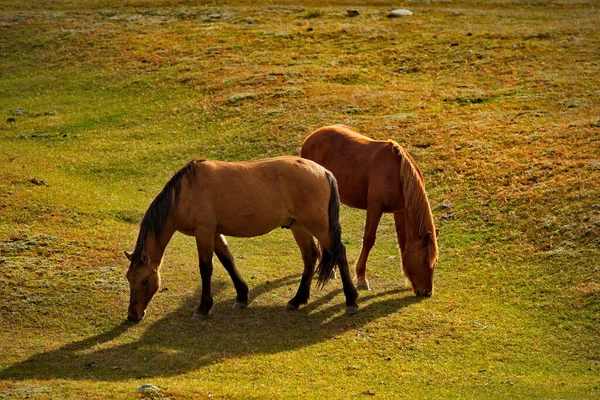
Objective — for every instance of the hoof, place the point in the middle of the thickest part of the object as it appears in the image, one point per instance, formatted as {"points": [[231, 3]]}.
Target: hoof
{"points": [[239, 306], [363, 286], [351, 310], [289, 307], [199, 316]]}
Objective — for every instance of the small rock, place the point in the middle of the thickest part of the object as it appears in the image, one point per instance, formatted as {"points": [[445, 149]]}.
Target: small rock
{"points": [[399, 13], [19, 111], [38, 182], [148, 388], [352, 13]]}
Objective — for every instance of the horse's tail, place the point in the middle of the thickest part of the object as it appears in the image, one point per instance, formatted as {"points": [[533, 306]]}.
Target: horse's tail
{"points": [[329, 259]]}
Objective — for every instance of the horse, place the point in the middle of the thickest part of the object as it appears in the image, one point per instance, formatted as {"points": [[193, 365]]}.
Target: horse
{"points": [[212, 199], [381, 177]]}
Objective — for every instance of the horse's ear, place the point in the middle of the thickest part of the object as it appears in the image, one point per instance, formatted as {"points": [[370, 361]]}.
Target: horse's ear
{"points": [[427, 238], [128, 254], [145, 259]]}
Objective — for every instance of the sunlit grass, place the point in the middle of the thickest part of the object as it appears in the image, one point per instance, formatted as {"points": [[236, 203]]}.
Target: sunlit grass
{"points": [[101, 103]]}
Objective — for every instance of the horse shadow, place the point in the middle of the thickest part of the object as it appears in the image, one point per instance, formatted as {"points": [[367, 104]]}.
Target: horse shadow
{"points": [[176, 344]]}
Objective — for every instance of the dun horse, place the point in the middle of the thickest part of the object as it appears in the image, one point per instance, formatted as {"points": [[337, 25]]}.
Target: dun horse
{"points": [[209, 199], [380, 176]]}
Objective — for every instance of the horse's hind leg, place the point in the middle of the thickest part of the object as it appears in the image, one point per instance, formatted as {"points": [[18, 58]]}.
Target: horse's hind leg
{"points": [[373, 218], [327, 245], [226, 258], [310, 254], [349, 291]]}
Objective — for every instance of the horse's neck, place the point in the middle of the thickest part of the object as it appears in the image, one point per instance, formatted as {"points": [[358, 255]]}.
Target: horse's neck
{"points": [[412, 234], [410, 237], [156, 249]]}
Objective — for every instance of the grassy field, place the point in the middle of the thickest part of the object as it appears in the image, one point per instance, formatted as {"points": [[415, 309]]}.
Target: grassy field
{"points": [[499, 103]]}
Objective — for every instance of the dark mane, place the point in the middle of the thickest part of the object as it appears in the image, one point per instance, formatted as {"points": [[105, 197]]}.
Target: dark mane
{"points": [[156, 216]]}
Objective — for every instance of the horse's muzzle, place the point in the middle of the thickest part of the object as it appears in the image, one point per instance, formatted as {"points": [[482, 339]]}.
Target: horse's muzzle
{"points": [[136, 317]]}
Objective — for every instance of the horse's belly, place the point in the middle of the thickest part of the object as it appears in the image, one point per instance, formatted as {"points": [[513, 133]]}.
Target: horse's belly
{"points": [[353, 197], [250, 225]]}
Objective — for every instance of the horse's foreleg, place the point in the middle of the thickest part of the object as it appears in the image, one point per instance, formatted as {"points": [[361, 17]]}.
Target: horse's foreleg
{"points": [[310, 254], [226, 258], [205, 244], [373, 218]]}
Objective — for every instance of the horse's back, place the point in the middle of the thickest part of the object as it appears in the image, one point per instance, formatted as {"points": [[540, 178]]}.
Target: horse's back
{"points": [[367, 170], [251, 198]]}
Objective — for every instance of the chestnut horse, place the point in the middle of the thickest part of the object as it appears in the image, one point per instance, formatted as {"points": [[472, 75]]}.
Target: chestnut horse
{"points": [[209, 199], [381, 177]]}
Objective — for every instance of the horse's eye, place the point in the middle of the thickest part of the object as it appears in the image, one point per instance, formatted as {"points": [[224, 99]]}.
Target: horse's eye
{"points": [[424, 261], [145, 282]]}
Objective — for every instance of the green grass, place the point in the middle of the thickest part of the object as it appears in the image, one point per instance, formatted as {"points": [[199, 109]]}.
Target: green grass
{"points": [[102, 101]]}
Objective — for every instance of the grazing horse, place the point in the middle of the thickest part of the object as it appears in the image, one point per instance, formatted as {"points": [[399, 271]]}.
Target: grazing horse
{"points": [[209, 199], [380, 176]]}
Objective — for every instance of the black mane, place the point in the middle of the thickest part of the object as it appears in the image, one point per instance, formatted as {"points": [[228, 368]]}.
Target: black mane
{"points": [[156, 216]]}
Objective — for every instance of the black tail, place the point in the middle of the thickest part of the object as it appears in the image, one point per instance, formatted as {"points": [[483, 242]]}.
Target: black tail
{"points": [[330, 259]]}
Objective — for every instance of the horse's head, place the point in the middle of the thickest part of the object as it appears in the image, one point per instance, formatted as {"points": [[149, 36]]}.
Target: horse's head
{"points": [[144, 281], [418, 263]]}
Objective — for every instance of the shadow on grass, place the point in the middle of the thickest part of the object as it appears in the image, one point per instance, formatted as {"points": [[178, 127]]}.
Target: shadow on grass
{"points": [[177, 344]]}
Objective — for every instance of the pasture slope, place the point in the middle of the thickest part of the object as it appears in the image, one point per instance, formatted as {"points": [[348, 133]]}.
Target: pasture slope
{"points": [[101, 101]]}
